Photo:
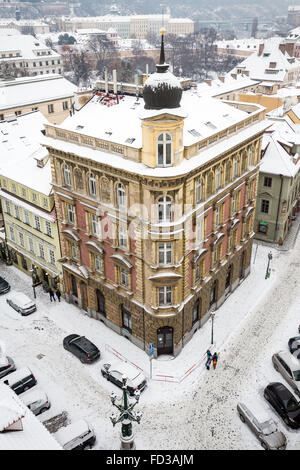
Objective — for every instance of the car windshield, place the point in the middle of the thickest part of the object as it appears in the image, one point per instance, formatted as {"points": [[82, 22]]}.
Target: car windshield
{"points": [[296, 374], [291, 404], [268, 427]]}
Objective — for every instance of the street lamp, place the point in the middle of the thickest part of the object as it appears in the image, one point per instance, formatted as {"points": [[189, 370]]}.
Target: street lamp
{"points": [[268, 266], [126, 416], [33, 275], [212, 326]]}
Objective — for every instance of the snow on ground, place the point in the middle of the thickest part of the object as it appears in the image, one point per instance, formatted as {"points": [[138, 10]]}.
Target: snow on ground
{"points": [[253, 323]]}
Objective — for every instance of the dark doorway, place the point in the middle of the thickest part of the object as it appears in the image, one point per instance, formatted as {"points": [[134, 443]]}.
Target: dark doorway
{"points": [[213, 293], [100, 302], [165, 340], [228, 280], [196, 311], [74, 286], [242, 271], [83, 292]]}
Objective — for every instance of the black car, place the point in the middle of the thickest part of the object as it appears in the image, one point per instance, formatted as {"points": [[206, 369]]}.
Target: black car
{"points": [[294, 346], [81, 347], [284, 402], [4, 286]]}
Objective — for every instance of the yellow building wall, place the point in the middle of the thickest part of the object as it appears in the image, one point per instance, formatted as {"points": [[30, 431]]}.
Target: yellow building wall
{"points": [[269, 102]]}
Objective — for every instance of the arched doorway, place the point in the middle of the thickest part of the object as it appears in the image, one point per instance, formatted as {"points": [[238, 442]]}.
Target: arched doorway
{"points": [[165, 340], [100, 302]]}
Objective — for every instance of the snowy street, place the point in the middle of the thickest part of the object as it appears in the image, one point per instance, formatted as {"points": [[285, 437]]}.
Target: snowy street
{"points": [[200, 412]]}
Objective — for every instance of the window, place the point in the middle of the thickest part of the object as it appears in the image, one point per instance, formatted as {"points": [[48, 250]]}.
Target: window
{"points": [[26, 217], [124, 278], [37, 222], [74, 251], [34, 197], [122, 237], [235, 167], [67, 175], [126, 319], [268, 181], [218, 178], [233, 203], [98, 263], [12, 234], [95, 225], [265, 205], [48, 228], [217, 216], [21, 238], [50, 108], [165, 209], [121, 197], [250, 156], [165, 295], [45, 202], [198, 191], [41, 251], [24, 193], [31, 246], [199, 230], [14, 189], [52, 257], [17, 212], [164, 150], [262, 227], [65, 104], [92, 184], [7, 205], [71, 214], [165, 253]]}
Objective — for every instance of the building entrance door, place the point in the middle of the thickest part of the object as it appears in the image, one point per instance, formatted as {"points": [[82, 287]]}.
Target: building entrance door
{"points": [[101, 302], [165, 340]]}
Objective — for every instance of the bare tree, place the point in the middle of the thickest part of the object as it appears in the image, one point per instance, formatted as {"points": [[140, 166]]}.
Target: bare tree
{"points": [[78, 68], [104, 51]]}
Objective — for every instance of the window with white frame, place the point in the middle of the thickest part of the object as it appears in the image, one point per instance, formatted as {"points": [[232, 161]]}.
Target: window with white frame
{"points": [[95, 225], [71, 214], [37, 222], [12, 234], [218, 178], [31, 245], [199, 230], [74, 250], [122, 236], [48, 228], [26, 217], [7, 206], [21, 238], [198, 190], [165, 253], [98, 263], [17, 212], [165, 295], [165, 209], [233, 203], [164, 150], [235, 167], [124, 277], [52, 257], [67, 175], [45, 202], [41, 251], [121, 197], [92, 184]]}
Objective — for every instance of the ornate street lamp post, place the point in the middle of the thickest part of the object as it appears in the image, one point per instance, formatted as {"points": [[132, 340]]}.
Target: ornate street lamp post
{"points": [[268, 266], [126, 416]]}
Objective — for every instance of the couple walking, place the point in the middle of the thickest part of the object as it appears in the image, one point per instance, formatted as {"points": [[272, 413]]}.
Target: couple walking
{"points": [[51, 293], [211, 359]]}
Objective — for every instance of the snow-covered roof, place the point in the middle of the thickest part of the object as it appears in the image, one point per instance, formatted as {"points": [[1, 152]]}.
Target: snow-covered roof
{"points": [[27, 45], [276, 159], [243, 44], [31, 90], [19, 149], [70, 432], [34, 435], [226, 85]]}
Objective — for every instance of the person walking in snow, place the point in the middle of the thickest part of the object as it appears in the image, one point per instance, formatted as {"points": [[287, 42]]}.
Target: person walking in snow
{"points": [[51, 293], [215, 359], [58, 294], [208, 360]]}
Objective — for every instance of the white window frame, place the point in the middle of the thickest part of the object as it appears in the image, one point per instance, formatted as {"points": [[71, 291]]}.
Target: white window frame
{"points": [[121, 197], [48, 228], [67, 175], [165, 254], [199, 190], [124, 278], [95, 225], [165, 295], [71, 214], [92, 184], [164, 209], [164, 140], [122, 236]]}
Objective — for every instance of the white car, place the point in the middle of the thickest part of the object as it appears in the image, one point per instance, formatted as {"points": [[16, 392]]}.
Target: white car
{"points": [[76, 436], [36, 400], [116, 370], [21, 303]]}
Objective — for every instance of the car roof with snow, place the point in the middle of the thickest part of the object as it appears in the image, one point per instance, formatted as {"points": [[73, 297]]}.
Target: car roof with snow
{"points": [[20, 297], [17, 375], [70, 432], [290, 360], [125, 368], [30, 396]]}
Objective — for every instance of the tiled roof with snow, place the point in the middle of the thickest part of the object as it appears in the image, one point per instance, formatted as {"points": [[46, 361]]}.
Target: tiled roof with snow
{"points": [[28, 47], [34, 435], [31, 90], [19, 149], [276, 159], [230, 84]]}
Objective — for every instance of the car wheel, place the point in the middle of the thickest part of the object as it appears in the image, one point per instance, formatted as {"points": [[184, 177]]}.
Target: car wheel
{"points": [[242, 418], [264, 445], [286, 420], [276, 367]]}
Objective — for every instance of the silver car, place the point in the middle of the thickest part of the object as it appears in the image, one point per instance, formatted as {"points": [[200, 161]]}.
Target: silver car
{"points": [[289, 367], [36, 400], [7, 366], [266, 431]]}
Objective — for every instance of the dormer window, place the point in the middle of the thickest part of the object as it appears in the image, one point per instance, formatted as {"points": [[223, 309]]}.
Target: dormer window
{"points": [[164, 150]]}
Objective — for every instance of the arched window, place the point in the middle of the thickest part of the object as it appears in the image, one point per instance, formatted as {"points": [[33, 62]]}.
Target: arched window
{"points": [[209, 184], [165, 209], [235, 167], [218, 178], [250, 156], [78, 179], [164, 150], [92, 184], [67, 175], [199, 190], [121, 197]]}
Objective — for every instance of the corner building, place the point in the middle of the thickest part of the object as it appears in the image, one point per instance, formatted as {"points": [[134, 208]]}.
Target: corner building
{"points": [[155, 199]]}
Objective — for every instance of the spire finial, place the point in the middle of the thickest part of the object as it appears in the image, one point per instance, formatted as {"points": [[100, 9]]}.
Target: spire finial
{"points": [[162, 66]]}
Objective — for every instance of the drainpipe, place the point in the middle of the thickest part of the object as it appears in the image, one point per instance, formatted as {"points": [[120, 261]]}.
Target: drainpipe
{"points": [[277, 216]]}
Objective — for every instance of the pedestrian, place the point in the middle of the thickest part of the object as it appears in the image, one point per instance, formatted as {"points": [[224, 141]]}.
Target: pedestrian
{"points": [[215, 359], [58, 294], [209, 358], [51, 293]]}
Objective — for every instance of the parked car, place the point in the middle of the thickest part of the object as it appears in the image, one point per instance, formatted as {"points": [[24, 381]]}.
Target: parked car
{"points": [[76, 436], [289, 368], [21, 303], [21, 380], [7, 366], [82, 348], [266, 431], [4, 286], [284, 402], [115, 371], [294, 346], [36, 400]]}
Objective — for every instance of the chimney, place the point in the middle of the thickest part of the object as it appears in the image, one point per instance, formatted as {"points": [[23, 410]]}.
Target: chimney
{"points": [[282, 48], [115, 82], [260, 49], [246, 72], [208, 81], [234, 75], [222, 79], [289, 47]]}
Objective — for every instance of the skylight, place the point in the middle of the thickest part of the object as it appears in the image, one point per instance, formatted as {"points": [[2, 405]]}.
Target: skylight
{"points": [[130, 140], [210, 125], [194, 133], [79, 127]]}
